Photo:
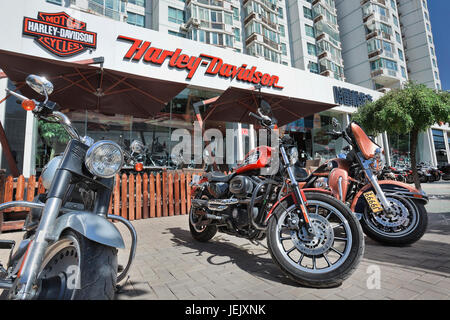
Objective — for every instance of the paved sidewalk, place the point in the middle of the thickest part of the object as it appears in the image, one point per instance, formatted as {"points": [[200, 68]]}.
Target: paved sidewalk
{"points": [[170, 265]]}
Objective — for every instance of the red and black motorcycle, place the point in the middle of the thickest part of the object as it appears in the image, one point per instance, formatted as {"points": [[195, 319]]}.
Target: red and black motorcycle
{"points": [[390, 212], [314, 238]]}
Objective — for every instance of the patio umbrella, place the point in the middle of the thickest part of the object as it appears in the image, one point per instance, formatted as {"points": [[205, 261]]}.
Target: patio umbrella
{"points": [[235, 104], [80, 86]]}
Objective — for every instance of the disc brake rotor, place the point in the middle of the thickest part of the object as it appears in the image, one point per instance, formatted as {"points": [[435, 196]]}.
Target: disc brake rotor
{"points": [[398, 216], [319, 243]]}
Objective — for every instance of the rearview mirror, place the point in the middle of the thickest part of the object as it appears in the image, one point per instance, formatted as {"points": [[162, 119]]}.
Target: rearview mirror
{"points": [[40, 84], [265, 108], [335, 122], [137, 146]]}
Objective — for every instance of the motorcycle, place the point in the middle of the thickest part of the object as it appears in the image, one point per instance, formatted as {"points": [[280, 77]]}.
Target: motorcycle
{"points": [[69, 250], [390, 212], [313, 238]]}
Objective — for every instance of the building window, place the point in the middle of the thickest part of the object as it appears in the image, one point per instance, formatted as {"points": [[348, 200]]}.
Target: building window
{"points": [[284, 63], [228, 18], [282, 30], [135, 19], [393, 4], [430, 39], [400, 54], [434, 63], [438, 86], [403, 72], [309, 31], [178, 34], [312, 50], [314, 67], [436, 75], [307, 13], [428, 27], [55, 1], [176, 16], [432, 51], [280, 12], [426, 16], [236, 14], [202, 36], [284, 49], [398, 37], [395, 20], [137, 2], [237, 34]]}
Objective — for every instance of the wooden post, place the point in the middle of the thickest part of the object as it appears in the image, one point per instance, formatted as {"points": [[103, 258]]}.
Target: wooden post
{"points": [[176, 186], [145, 212], [138, 197], [170, 195], [164, 194], [152, 196], [131, 210], [116, 193], [183, 193], [158, 195], [124, 196]]}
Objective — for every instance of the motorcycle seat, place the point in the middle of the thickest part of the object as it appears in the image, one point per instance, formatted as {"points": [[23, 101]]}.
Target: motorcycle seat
{"points": [[217, 176]]}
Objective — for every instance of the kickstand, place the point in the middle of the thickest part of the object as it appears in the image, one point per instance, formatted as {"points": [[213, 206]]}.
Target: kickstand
{"points": [[119, 287]]}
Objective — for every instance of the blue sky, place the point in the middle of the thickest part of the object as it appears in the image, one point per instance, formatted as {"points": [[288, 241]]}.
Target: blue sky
{"points": [[439, 15]]}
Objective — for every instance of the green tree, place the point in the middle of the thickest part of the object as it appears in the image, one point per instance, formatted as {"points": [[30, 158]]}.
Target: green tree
{"points": [[413, 109], [53, 133]]}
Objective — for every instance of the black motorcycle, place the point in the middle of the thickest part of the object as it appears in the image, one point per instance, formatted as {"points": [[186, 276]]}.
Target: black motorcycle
{"points": [[69, 250], [312, 237]]}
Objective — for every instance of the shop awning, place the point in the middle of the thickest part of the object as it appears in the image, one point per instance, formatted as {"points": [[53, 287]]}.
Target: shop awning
{"points": [[235, 104], [82, 86]]}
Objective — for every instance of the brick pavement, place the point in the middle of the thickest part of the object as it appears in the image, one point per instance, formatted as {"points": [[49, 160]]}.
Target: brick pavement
{"points": [[170, 265]]}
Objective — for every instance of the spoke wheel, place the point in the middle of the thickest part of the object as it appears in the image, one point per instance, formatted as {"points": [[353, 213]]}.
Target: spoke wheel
{"points": [[324, 251]]}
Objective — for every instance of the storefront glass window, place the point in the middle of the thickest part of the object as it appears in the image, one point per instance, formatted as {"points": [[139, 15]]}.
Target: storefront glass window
{"points": [[439, 146], [399, 150]]}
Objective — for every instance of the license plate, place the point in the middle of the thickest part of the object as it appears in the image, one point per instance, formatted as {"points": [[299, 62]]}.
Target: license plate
{"points": [[372, 200]]}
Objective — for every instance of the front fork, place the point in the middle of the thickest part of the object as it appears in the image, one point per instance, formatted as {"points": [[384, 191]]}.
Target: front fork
{"points": [[300, 198], [25, 287], [380, 193]]}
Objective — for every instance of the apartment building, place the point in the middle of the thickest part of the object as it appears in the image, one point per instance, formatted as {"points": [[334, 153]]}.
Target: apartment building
{"points": [[418, 42], [315, 39], [373, 51]]}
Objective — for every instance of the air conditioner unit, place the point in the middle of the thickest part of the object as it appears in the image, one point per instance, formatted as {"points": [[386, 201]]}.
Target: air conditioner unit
{"points": [[183, 27], [196, 22]]}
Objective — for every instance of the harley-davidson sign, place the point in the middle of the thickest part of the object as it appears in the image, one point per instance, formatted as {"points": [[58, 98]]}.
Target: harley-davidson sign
{"points": [[60, 34], [215, 66]]}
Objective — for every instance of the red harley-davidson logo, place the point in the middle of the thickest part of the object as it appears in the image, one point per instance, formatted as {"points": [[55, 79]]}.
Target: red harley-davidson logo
{"points": [[144, 51], [60, 34]]}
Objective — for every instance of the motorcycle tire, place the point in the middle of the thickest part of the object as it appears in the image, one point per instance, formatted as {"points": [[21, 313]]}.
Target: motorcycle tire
{"points": [[97, 265], [420, 222], [333, 275]]}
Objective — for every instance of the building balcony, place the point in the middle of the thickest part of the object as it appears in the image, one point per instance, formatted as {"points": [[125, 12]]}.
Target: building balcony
{"points": [[262, 40], [382, 2], [386, 77], [378, 33], [333, 10], [380, 53]]}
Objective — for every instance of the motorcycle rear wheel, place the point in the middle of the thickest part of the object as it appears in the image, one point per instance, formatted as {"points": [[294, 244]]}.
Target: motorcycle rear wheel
{"points": [[331, 256], [76, 268]]}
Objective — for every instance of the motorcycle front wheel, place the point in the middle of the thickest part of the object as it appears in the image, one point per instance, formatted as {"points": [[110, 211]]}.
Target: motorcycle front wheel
{"points": [[76, 268], [325, 259], [406, 225]]}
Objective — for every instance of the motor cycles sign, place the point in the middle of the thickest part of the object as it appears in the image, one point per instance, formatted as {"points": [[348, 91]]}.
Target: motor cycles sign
{"points": [[60, 34]]}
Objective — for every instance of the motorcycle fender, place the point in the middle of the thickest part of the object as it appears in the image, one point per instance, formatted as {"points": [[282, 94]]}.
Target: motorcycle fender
{"points": [[291, 197], [390, 187], [90, 225]]}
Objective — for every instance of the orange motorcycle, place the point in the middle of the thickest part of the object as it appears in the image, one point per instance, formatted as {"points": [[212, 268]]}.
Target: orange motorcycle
{"points": [[390, 212]]}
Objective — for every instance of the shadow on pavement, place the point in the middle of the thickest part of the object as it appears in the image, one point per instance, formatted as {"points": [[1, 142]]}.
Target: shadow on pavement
{"points": [[257, 264], [424, 254]]}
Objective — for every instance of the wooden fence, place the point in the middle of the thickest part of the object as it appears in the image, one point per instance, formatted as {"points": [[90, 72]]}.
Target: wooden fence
{"points": [[134, 197]]}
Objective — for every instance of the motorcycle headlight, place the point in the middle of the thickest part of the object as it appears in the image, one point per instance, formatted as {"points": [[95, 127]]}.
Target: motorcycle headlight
{"points": [[104, 159], [293, 155]]}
